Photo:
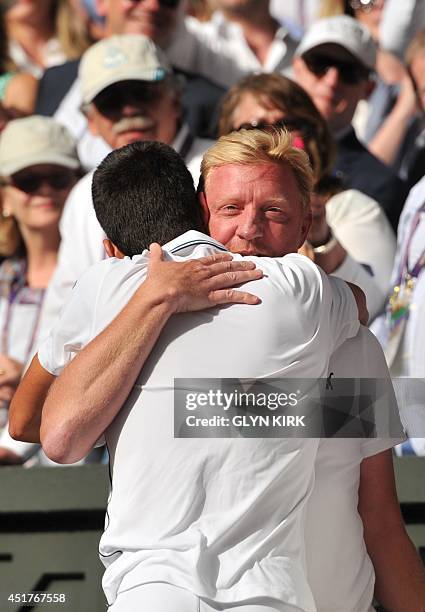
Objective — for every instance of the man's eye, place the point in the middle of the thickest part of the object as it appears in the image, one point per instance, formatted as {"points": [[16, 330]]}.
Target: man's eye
{"points": [[230, 208]]}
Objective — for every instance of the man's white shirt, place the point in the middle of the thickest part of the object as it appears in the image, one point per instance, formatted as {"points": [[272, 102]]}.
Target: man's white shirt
{"points": [[209, 515], [340, 572], [218, 50]]}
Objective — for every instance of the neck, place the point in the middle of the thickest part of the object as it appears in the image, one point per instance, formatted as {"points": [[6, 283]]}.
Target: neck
{"points": [[42, 253], [32, 35], [258, 26]]}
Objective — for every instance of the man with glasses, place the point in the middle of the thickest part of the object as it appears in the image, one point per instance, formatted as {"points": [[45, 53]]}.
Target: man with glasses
{"points": [[129, 93], [59, 92], [334, 63]]}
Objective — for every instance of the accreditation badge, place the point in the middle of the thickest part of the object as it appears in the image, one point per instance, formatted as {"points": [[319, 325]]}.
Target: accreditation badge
{"points": [[397, 315]]}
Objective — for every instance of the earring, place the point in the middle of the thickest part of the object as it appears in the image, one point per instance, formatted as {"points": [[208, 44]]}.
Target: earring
{"points": [[6, 214]]}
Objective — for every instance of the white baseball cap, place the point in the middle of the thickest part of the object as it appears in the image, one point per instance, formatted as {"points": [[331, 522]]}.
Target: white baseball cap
{"points": [[125, 57], [344, 31], [36, 140]]}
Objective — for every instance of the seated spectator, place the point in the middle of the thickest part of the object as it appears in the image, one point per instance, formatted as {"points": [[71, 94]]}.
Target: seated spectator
{"points": [[17, 91], [334, 63], [240, 38], [44, 33], [59, 93], [38, 166], [400, 328], [350, 236]]}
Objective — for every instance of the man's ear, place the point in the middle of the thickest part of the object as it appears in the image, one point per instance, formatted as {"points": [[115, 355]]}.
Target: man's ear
{"points": [[112, 250], [204, 208], [305, 228]]}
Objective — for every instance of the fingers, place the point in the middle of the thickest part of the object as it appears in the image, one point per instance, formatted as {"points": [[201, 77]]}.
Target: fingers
{"points": [[210, 259], [230, 266], [230, 279], [232, 296], [155, 252]]}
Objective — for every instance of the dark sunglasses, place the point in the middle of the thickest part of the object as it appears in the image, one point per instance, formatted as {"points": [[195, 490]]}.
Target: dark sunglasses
{"points": [[30, 183], [111, 100], [164, 3], [291, 124], [350, 74]]}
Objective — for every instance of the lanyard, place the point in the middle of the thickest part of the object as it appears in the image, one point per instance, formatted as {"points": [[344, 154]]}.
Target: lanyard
{"points": [[420, 262]]}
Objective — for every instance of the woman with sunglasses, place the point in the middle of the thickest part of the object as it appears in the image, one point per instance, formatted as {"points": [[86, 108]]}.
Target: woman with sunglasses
{"points": [[38, 167], [350, 235]]}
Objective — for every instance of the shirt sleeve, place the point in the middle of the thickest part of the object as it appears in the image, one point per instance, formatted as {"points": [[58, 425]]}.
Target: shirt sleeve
{"points": [[79, 226], [74, 328], [343, 312]]}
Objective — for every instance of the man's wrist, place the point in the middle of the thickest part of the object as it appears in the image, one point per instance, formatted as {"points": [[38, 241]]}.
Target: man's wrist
{"points": [[321, 247]]}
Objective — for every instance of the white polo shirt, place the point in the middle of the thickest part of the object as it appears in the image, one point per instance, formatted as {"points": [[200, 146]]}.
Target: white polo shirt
{"points": [[222, 518], [340, 571]]}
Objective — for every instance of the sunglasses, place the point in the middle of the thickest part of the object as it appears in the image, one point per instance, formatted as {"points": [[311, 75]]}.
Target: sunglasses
{"points": [[164, 3], [111, 100], [30, 182], [350, 74], [291, 124]]}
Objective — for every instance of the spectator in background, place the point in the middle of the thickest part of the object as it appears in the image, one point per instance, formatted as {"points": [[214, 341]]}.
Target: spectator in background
{"points": [[350, 236], [38, 165], [334, 63], [17, 91], [59, 92], [44, 33], [242, 37], [400, 328], [400, 23]]}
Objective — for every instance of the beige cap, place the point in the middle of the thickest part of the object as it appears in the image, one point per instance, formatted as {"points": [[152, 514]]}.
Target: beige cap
{"points": [[344, 31], [120, 58], [36, 140]]}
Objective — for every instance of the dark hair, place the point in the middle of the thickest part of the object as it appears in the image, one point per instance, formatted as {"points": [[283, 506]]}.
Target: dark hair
{"points": [[143, 193]]}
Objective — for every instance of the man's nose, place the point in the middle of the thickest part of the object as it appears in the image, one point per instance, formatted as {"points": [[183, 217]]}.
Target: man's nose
{"points": [[331, 76], [250, 227], [130, 110]]}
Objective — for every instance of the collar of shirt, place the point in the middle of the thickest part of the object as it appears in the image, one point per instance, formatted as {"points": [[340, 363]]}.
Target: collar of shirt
{"points": [[180, 140], [183, 245]]}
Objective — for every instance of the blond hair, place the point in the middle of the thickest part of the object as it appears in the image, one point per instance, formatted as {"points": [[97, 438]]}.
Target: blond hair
{"points": [[255, 147]]}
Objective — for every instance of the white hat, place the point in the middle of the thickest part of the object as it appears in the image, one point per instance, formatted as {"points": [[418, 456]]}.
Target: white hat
{"points": [[36, 140], [344, 31], [120, 58]]}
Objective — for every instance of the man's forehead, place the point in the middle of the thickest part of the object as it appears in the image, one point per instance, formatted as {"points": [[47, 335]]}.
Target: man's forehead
{"points": [[229, 180]]}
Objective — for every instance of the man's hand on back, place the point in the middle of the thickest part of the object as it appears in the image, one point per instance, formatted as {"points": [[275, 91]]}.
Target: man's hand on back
{"points": [[199, 283]]}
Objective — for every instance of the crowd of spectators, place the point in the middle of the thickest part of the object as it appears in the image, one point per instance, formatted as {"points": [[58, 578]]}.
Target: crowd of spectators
{"points": [[79, 78]]}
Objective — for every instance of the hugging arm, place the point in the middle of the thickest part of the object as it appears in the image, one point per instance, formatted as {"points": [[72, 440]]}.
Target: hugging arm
{"points": [[92, 388]]}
